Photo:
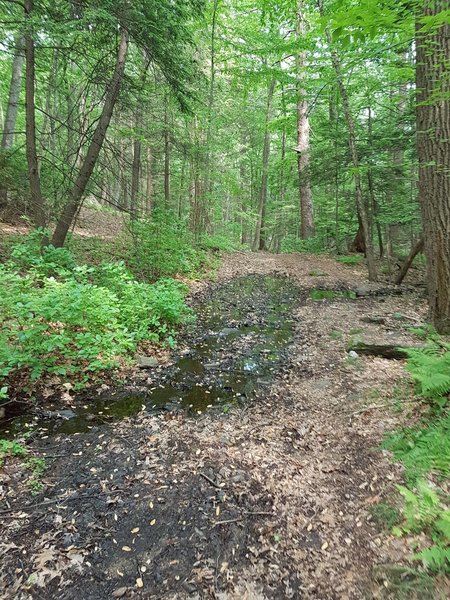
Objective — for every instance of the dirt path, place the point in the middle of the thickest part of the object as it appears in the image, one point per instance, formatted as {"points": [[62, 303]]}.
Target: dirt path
{"points": [[271, 500]]}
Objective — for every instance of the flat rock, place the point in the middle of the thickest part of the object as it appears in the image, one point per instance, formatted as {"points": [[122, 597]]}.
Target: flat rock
{"points": [[146, 362]]}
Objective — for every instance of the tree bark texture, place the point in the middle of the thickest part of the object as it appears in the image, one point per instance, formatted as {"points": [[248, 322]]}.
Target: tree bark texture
{"points": [[11, 111], [259, 241], [30, 117], [433, 150], [303, 131], [89, 162]]}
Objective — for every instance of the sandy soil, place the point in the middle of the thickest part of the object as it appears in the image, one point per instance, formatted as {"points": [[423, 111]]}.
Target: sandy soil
{"points": [[270, 501]]}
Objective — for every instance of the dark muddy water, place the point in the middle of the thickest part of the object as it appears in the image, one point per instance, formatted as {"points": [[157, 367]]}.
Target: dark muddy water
{"points": [[237, 343]]}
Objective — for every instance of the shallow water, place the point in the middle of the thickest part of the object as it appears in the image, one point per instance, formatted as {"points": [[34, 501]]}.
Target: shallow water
{"points": [[235, 347]]}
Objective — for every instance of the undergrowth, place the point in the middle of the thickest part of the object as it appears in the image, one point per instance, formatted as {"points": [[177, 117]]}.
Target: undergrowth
{"points": [[424, 450], [58, 318]]}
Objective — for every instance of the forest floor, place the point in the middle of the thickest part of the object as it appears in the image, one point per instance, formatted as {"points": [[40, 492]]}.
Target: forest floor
{"points": [[272, 498]]}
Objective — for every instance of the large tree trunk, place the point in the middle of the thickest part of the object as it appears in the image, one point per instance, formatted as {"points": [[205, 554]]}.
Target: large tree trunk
{"points": [[360, 203], [433, 150], [259, 241], [12, 109], [303, 149], [87, 168], [32, 159]]}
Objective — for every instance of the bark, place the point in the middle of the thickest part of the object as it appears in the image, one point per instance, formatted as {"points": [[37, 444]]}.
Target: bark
{"points": [[149, 190], [360, 203], [89, 162], [303, 135], [30, 127], [14, 93], [166, 157], [136, 168], [409, 261], [259, 241], [433, 150], [12, 109]]}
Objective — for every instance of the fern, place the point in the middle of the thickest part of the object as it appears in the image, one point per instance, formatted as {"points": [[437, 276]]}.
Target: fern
{"points": [[435, 558], [422, 449], [430, 368]]}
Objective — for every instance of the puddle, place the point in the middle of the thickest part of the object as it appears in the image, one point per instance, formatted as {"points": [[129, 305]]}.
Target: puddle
{"points": [[235, 347]]}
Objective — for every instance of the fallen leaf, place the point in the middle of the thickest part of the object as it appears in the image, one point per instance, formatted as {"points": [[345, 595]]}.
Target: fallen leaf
{"points": [[119, 592], [126, 548], [135, 530], [139, 582]]}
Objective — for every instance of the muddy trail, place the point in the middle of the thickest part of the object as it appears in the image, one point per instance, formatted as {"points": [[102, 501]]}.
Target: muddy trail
{"points": [[246, 467]]}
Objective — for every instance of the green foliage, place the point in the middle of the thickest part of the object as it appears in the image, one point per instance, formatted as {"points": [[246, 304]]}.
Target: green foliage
{"points": [[37, 466], [9, 448], [385, 515], [42, 260], [332, 294], [424, 510], [425, 450], [430, 368], [162, 247], [292, 243], [422, 449], [351, 259], [84, 321]]}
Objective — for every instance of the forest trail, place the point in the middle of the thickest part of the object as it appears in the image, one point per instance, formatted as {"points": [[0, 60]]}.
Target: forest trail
{"points": [[271, 499]]}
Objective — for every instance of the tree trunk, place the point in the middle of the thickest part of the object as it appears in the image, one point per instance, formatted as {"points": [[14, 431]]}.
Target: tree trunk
{"points": [[136, 168], [149, 190], [30, 116], [87, 168], [409, 261], [14, 93], [360, 203], [433, 150], [303, 146], [166, 157], [259, 241], [11, 110]]}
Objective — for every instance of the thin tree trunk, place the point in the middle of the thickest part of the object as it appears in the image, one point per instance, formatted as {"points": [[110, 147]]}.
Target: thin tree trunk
{"points": [[136, 168], [433, 150], [360, 204], [166, 156], [14, 93], [303, 142], [87, 168], [31, 151], [12, 107], [409, 261], [259, 241], [149, 190]]}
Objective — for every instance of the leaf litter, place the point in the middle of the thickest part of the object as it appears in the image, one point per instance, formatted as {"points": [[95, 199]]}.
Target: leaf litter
{"points": [[270, 500]]}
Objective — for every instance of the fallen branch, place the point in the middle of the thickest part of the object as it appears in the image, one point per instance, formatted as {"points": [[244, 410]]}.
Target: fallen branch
{"points": [[210, 481]]}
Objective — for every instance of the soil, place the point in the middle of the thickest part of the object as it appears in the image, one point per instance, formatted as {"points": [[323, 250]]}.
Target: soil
{"points": [[267, 497]]}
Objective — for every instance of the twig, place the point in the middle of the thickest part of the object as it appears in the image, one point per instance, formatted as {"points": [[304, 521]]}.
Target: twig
{"points": [[376, 406], [227, 521], [39, 504], [210, 481]]}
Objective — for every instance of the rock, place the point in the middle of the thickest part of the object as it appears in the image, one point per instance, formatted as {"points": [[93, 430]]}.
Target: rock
{"points": [[352, 354], [146, 362]]}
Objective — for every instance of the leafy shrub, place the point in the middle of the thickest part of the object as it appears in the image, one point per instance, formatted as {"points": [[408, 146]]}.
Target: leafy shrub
{"points": [[43, 260], [351, 259], [313, 245], [163, 247], [83, 321], [217, 243]]}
